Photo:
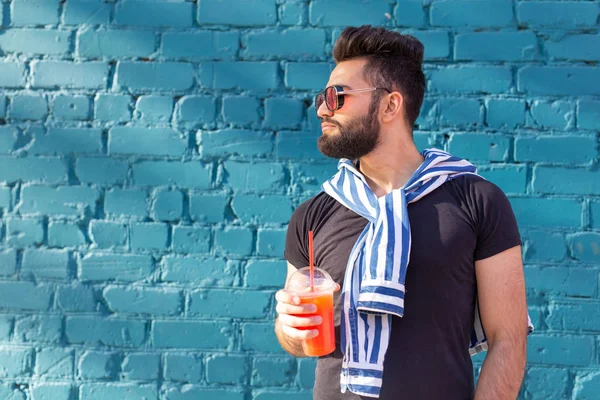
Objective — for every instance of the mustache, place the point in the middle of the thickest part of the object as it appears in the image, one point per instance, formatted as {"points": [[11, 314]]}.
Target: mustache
{"points": [[330, 121]]}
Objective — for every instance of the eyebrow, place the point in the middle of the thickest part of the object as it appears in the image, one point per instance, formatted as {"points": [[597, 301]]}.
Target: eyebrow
{"points": [[342, 84]]}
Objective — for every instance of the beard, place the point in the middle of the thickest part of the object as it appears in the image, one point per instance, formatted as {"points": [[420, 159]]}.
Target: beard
{"points": [[356, 138]]}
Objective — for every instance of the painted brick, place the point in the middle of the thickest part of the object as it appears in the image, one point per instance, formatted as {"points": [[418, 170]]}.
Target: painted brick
{"points": [[115, 43], [547, 212], [143, 300], [34, 12], [28, 107], [153, 76], [71, 107], [25, 296], [101, 170], [54, 363], [51, 391], [566, 14], [460, 112], [188, 392], [8, 262], [10, 392], [575, 81], [38, 329], [69, 201], [156, 14], [595, 214], [126, 202], [586, 386], [45, 263], [306, 372], [554, 149], [247, 304], [309, 177], [14, 363], [510, 178], [436, 43], [472, 13], [496, 46], [477, 146], [191, 239], [272, 372], [95, 391], [118, 267], [235, 142], [588, 114], [47, 170], [5, 195], [542, 246], [12, 74], [234, 241], [154, 109], [208, 207], [277, 394], [88, 12], [566, 180], [545, 383], [98, 365], [6, 326], [505, 113], [560, 350], [67, 140], [76, 298], [327, 12], [410, 13], [241, 110], [558, 114], [470, 80], [112, 107], [199, 272], [293, 13], [259, 177], [260, 209], [149, 236], [24, 232], [283, 112], [306, 76], [167, 206], [218, 12], [147, 141], [107, 234], [271, 242], [105, 331], [181, 174], [298, 145], [260, 336], [310, 43], [567, 281], [35, 41], [200, 45], [8, 139], [195, 111], [183, 368], [247, 75], [140, 366], [67, 74], [192, 334], [585, 246], [575, 47], [574, 316], [227, 369], [3, 106]]}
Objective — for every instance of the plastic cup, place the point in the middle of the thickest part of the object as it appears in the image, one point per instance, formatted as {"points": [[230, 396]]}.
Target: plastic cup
{"points": [[322, 297]]}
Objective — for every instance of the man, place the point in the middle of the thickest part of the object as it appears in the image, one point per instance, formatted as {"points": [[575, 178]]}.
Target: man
{"points": [[426, 251]]}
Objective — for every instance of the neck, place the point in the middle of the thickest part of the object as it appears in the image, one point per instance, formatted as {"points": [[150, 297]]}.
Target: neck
{"points": [[391, 164]]}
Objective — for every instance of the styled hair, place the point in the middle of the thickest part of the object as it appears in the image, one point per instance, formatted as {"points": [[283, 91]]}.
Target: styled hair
{"points": [[393, 62]]}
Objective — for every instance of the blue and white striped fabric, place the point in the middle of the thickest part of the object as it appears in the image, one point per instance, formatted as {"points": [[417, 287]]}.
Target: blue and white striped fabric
{"points": [[376, 272]]}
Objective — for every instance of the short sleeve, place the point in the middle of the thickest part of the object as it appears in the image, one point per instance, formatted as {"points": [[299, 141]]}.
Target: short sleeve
{"points": [[296, 250], [496, 225]]}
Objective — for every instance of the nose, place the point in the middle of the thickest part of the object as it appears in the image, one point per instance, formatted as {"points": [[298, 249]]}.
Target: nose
{"points": [[323, 111]]}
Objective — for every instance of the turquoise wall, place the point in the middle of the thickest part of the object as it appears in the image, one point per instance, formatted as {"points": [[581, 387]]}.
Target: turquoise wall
{"points": [[152, 152]]}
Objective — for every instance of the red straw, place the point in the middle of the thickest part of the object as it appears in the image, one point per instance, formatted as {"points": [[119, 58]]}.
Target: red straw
{"points": [[311, 262]]}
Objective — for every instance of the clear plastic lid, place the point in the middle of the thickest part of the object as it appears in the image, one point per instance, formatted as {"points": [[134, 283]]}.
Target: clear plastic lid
{"points": [[299, 282]]}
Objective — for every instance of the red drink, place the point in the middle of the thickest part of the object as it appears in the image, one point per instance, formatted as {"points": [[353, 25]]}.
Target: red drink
{"points": [[324, 343]]}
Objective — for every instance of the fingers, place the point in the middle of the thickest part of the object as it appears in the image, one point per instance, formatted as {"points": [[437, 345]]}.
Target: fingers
{"points": [[299, 334], [300, 322], [337, 287], [284, 297], [284, 308]]}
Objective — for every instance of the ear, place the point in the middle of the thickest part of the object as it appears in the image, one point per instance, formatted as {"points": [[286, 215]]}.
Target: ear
{"points": [[393, 106]]}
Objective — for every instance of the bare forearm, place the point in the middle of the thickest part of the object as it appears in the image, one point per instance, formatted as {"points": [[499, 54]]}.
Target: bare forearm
{"points": [[502, 371], [292, 346]]}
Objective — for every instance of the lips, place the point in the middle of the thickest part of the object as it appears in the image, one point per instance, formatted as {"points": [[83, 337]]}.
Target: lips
{"points": [[324, 126]]}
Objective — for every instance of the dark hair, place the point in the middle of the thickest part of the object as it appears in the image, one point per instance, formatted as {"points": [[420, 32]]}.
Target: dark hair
{"points": [[394, 62]]}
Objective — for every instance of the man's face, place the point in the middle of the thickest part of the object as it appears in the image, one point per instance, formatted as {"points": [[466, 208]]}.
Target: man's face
{"points": [[353, 130]]}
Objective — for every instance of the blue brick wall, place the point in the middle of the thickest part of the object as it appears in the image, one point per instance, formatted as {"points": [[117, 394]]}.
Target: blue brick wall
{"points": [[152, 152]]}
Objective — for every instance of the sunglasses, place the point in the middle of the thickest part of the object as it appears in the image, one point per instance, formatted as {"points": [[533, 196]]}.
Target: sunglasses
{"points": [[333, 96]]}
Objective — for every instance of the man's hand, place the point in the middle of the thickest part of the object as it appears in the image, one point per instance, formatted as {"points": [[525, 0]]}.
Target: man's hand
{"points": [[292, 315]]}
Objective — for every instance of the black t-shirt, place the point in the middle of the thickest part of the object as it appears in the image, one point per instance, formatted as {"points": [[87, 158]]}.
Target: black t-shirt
{"points": [[464, 220]]}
